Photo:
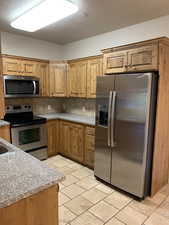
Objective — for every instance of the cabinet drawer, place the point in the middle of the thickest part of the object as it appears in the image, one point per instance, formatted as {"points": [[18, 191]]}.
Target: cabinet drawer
{"points": [[90, 130]]}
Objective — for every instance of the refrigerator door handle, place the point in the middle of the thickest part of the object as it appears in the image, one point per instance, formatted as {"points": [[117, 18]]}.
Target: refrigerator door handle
{"points": [[109, 118], [113, 118]]}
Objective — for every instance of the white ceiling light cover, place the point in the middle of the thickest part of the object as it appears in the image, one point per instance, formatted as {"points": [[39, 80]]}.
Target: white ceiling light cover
{"points": [[44, 14]]}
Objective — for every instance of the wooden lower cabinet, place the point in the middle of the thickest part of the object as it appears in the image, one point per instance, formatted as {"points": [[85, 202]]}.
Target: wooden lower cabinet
{"points": [[72, 140], [64, 138], [77, 142], [38, 209], [89, 146], [53, 137], [5, 133]]}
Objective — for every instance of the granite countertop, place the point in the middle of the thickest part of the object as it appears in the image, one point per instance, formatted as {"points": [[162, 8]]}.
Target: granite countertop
{"points": [[90, 120], [3, 123], [22, 175]]}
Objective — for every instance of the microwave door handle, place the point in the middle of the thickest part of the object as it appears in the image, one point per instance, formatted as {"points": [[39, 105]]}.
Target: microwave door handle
{"points": [[109, 119], [113, 118], [34, 86]]}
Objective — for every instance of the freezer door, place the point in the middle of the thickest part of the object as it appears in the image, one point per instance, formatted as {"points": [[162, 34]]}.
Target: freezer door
{"points": [[131, 132], [105, 87]]}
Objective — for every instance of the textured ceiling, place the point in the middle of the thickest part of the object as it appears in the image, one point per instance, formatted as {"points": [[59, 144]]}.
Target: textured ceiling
{"points": [[94, 17]]}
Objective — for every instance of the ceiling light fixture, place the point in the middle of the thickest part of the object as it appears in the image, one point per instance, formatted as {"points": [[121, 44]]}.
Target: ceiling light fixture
{"points": [[44, 14]]}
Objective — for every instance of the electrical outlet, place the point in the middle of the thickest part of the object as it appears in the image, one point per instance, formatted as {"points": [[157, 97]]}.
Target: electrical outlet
{"points": [[49, 107], [83, 109]]}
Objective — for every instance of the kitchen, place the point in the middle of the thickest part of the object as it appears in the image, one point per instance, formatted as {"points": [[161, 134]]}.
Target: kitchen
{"points": [[51, 85]]}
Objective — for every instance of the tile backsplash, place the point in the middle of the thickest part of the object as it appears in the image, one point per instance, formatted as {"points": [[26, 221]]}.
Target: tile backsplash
{"points": [[40, 105], [52, 105], [79, 106]]}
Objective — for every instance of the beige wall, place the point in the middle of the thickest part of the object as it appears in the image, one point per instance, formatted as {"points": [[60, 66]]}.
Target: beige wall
{"points": [[19, 45], [139, 32]]}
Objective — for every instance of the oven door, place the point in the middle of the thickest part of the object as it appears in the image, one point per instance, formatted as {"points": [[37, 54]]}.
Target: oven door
{"points": [[29, 137]]}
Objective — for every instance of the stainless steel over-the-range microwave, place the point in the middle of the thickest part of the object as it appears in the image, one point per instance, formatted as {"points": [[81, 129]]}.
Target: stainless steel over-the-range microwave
{"points": [[20, 86]]}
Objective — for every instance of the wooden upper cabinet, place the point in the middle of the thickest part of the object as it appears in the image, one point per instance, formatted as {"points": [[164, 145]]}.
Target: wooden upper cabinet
{"points": [[18, 66], [143, 58], [77, 76], [72, 78], [58, 79], [139, 57], [115, 62], [11, 66], [82, 79], [95, 69], [28, 68], [42, 71]]}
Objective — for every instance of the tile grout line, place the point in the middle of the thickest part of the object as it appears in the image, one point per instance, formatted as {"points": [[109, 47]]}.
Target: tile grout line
{"points": [[94, 204]]}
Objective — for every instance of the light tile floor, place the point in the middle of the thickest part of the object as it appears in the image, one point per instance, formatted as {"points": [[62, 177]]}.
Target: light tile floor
{"points": [[85, 201]]}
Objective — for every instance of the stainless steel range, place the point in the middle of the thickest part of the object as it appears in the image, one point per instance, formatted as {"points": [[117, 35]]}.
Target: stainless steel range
{"points": [[28, 132]]}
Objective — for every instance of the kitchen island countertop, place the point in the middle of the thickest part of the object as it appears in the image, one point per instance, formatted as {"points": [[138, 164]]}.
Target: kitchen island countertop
{"points": [[22, 175]]}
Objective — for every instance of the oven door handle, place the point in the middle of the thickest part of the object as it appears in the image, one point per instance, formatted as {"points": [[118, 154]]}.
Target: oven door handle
{"points": [[34, 86]]}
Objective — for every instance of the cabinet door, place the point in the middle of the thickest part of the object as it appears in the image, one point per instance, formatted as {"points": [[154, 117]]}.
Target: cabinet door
{"points": [[143, 58], [11, 66], [65, 138], [115, 62], [43, 74], [52, 132], [89, 146], [82, 79], [94, 69], [72, 79], [77, 142], [28, 68], [78, 79], [58, 79], [5, 133]]}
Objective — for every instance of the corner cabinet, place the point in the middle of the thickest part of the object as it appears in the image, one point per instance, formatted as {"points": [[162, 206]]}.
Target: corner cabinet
{"points": [[72, 140], [82, 75], [77, 76], [58, 79], [95, 68], [143, 58]]}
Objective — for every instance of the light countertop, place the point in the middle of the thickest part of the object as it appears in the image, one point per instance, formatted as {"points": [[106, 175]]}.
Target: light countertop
{"points": [[89, 120], [22, 175], [3, 123]]}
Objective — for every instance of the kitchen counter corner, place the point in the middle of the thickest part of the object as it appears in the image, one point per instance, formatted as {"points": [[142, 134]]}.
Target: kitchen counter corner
{"points": [[22, 175]]}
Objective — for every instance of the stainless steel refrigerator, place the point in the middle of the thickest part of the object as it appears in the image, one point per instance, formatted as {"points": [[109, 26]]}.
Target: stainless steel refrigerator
{"points": [[125, 118]]}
